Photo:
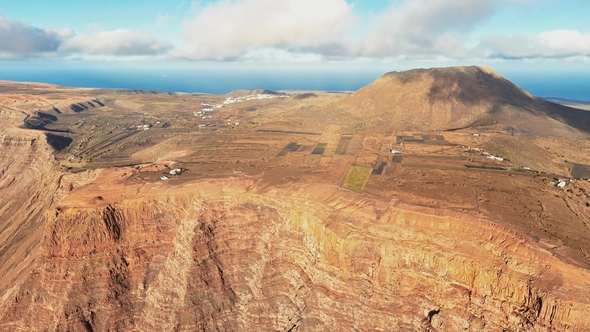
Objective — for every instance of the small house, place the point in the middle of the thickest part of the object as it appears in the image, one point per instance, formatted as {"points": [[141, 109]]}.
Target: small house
{"points": [[176, 171]]}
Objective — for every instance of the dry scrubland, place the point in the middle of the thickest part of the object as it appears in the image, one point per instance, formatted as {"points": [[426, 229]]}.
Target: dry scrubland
{"points": [[291, 212]]}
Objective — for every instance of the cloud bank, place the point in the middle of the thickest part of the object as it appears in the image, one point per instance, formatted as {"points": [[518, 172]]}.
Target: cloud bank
{"points": [[119, 42], [19, 39], [231, 29], [427, 28], [550, 44], [329, 30], [310, 31]]}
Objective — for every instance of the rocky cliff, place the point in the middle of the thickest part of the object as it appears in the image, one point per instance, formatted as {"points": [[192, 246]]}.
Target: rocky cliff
{"points": [[27, 184], [230, 255]]}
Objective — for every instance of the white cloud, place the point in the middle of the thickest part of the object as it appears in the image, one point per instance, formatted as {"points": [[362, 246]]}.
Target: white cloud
{"points": [[120, 42], [230, 29], [307, 31], [273, 54], [429, 28], [550, 44], [19, 39], [411, 29]]}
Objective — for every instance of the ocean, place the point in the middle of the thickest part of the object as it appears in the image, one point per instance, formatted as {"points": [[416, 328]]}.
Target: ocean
{"points": [[220, 79]]}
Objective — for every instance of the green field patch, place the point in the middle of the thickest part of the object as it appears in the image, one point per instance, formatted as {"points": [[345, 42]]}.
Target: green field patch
{"points": [[319, 149], [357, 178]]}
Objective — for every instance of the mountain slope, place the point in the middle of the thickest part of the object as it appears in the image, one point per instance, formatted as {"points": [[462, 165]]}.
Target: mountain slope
{"points": [[460, 97]]}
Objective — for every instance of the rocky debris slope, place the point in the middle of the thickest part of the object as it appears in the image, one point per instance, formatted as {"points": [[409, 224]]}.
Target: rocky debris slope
{"points": [[228, 255]]}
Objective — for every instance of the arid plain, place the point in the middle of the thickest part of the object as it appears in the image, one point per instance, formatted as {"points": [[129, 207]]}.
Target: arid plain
{"points": [[430, 200]]}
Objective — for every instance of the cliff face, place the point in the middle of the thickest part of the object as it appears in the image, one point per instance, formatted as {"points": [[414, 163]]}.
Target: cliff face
{"points": [[230, 255], [27, 183], [30, 182]]}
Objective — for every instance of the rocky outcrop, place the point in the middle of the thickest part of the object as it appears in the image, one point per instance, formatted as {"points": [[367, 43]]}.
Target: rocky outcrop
{"points": [[221, 255], [81, 105]]}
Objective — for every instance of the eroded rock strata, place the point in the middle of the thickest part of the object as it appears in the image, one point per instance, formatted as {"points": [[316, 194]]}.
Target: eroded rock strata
{"points": [[223, 255], [28, 182]]}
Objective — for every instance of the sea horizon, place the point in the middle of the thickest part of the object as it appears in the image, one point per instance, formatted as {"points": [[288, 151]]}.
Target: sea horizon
{"points": [[551, 84]]}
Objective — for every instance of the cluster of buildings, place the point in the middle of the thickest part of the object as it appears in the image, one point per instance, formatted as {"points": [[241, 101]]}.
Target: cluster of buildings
{"points": [[232, 100], [486, 154], [206, 108], [490, 156], [176, 171]]}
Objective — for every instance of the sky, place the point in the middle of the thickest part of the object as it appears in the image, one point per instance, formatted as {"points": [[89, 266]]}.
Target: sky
{"points": [[513, 36]]}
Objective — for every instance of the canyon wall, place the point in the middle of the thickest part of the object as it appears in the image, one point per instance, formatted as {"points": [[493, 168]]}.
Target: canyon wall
{"points": [[233, 255], [28, 180]]}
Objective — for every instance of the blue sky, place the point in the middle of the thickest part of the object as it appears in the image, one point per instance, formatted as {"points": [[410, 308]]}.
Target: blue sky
{"points": [[405, 33]]}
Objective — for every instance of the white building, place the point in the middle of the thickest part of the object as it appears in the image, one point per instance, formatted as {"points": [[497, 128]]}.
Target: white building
{"points": [[176, 171]]}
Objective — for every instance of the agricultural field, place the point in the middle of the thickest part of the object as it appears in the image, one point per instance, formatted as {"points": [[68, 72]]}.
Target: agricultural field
{"points": [[357, 178]]}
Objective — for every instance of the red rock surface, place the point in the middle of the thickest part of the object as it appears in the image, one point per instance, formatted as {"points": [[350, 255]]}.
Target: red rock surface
{"points": [[229, 255], [27, 185]]}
